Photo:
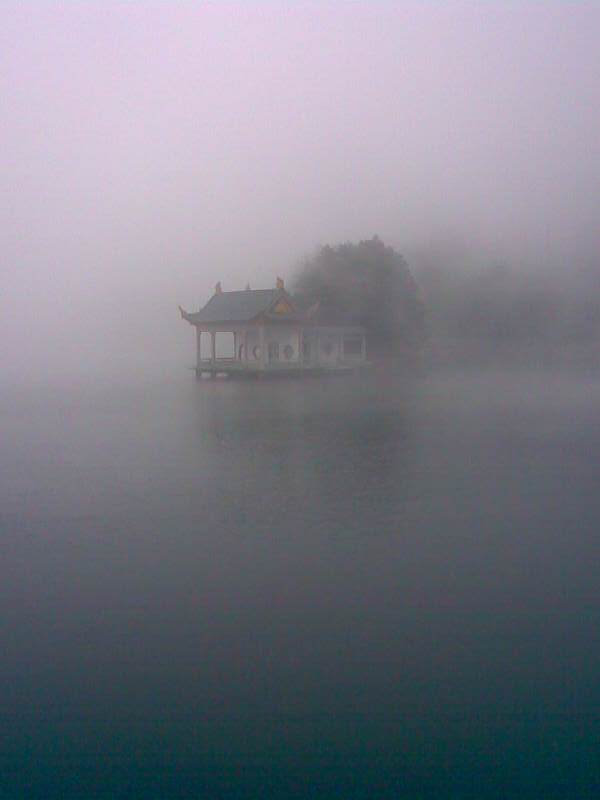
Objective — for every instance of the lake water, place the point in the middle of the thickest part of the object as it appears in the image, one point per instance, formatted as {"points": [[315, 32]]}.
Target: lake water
{"points": [[322, 588]]}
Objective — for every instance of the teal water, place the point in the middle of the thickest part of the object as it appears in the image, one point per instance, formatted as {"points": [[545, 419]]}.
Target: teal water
{"points": [[329, 588]]}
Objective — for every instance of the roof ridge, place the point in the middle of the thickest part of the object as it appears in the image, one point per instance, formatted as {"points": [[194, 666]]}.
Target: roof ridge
{"points": [[238, 304], [244, 291]]}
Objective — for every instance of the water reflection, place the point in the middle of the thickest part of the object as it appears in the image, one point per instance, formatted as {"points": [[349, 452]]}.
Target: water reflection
{"points": [[227, 579], [309, 446]]}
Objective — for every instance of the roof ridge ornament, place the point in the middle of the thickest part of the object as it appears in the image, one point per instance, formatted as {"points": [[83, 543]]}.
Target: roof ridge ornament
{"points": [[280, 285], [218, 289]]}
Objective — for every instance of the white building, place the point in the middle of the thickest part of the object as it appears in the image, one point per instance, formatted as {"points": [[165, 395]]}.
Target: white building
{"points": [[259, 331]]}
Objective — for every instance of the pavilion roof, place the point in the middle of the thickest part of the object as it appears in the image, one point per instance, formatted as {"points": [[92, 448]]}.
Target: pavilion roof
{"points": [[247, 305], [236, 306]]}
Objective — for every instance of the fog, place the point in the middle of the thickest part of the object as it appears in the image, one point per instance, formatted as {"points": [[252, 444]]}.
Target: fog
{"points": [[149, 150], [382, 584]]}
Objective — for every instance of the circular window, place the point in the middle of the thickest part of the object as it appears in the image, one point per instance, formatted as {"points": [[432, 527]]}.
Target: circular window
{"points": [[288, 351]]}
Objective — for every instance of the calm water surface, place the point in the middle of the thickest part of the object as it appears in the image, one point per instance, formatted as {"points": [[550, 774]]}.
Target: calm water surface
{"points": [[301, 589]]}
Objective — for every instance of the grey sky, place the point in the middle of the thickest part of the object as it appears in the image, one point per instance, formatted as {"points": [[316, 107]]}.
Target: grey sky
{"points": [[150, 149]]}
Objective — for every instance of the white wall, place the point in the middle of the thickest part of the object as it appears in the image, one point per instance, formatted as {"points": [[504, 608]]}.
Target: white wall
{"points": [[352, 349], [326, 345], [331, 357], [285, 337], [253, 341]]}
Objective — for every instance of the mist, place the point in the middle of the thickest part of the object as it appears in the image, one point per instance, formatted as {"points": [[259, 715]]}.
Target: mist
{"points": [[354, 552], [149, 150]]}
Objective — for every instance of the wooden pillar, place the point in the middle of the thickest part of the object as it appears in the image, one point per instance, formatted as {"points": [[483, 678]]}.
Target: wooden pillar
{"points": [[198, 349], [363, 354], [262, 339], [246, 347], [213, 347]]}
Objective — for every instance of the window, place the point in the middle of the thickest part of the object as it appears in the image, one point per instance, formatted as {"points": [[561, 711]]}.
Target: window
{"points": [[273, 351], [288, 352], [224, 345], [352, 345], [205, 346]]}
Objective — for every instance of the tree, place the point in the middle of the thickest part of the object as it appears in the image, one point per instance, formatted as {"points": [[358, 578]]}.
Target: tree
{"points": [[371, 284]]}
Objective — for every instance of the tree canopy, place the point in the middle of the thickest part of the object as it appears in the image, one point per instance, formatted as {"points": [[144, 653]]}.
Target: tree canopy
{"points": [[372, 284]]}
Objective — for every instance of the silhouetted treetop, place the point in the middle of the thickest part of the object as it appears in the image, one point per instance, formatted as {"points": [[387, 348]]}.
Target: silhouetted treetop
{"points": [[371, 284]]}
